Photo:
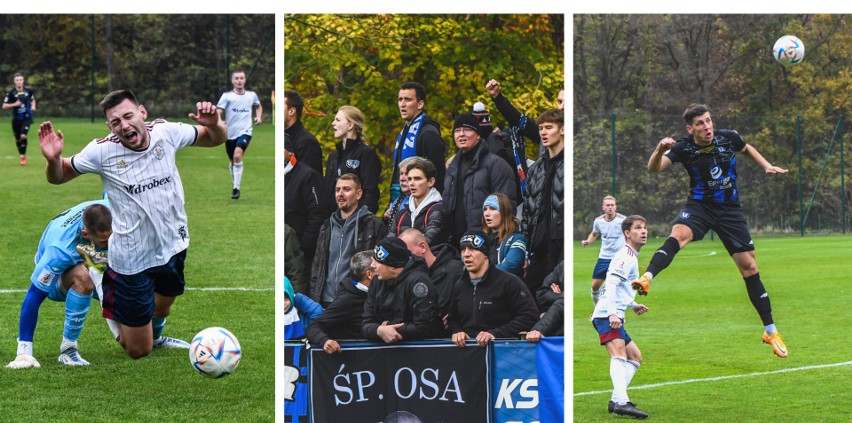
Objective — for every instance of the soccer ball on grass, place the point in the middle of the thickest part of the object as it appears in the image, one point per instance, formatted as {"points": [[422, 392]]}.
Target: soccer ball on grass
{"points": [[789, 50], [215, 352]]}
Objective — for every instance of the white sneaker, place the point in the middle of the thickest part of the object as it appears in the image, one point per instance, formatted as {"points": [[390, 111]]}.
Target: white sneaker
{"points": [[71, 357], [166, 342], [23, 361]]}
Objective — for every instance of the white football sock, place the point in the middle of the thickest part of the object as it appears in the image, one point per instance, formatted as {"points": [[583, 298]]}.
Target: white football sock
{"points": [[596, 295], [25, 347], [630, 369], [238, 174], [618, 374]]}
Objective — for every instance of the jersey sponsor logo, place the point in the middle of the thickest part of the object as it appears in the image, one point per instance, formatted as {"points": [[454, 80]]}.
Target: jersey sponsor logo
{"points": [[715, 172], [723, 183], [237, 110], [420, 290], [154, 183], [353, 164], [159, 152], [71, 220]]}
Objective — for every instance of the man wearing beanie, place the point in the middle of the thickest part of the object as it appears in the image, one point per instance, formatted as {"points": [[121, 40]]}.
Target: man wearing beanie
{"points": [[487, 302], [402, 303], [474, 173], [304, 206]]}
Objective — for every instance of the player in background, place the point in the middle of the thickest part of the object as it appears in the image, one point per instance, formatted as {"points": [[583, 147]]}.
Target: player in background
{"points": [[235, 108], [708, 155], [136, 163], [23, 103], [608, 227], [61, 276], [608, 317]]}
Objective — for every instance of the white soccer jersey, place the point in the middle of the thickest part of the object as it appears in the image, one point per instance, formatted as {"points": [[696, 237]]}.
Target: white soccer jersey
{"points": [[612, 238], [144, 188], [618, 294], [238, 110]]}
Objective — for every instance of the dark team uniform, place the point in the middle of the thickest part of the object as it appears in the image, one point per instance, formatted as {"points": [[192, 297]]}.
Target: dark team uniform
{"points": [[22, 116], [713, 201]]}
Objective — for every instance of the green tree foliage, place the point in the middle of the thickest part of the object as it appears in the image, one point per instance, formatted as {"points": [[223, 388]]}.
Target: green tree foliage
{"points": [[170, 61], [361, 60], [647, 68]]}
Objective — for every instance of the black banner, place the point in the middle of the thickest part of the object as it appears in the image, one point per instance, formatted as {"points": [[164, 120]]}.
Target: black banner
{"points": [[401, 383]]}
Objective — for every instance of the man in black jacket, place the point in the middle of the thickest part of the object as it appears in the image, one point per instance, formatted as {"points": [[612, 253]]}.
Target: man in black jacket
{"points": [[306, 146], [474, 174], [544, 206], [304, 199], [420, 136], [445, 268], [342, 318], [487, 302], [402, 303]]}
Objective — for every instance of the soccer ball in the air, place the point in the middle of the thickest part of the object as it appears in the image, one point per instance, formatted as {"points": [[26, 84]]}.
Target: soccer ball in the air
{"points": [[214, 352], [789, 50]]}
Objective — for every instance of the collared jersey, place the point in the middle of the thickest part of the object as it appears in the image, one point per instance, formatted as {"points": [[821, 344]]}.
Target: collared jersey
{"points": [[238, 110], [712, 169], [618, 294], [149, 222], [612, 238], [57, 248]]}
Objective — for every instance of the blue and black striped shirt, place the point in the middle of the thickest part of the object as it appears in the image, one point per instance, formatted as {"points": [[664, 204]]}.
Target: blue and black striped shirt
{"points": [[712, 169]]}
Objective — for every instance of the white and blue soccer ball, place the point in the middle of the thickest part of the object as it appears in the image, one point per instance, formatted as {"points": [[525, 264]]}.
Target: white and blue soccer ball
{"points": [[215, 352], [789, 50]]}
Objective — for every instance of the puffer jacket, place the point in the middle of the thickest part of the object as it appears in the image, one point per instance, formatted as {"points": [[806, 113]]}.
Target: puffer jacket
{"points": [[534, 202]]}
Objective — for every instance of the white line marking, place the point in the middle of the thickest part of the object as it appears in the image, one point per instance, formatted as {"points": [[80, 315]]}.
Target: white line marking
{"points": [[23, 291], [713, 379]]}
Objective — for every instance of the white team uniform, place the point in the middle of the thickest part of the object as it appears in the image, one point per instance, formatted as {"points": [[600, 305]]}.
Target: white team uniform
{"points": [[618, 295], [238, 110], [612, 238], [149, 223]]}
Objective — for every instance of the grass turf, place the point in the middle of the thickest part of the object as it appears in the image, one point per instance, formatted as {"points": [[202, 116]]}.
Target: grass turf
{"points": [[701, 325]]}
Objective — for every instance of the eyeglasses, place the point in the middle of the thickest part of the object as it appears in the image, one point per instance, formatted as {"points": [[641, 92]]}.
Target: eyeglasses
{"points": [[462, 129]]}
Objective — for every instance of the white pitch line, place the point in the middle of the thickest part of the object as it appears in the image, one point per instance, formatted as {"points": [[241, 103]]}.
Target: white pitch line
{"points": [[23, 291], [713, 379]]}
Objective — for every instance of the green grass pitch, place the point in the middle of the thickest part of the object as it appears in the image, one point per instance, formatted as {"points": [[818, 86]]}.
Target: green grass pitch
{"points": [[232, 247], [701, 326]]}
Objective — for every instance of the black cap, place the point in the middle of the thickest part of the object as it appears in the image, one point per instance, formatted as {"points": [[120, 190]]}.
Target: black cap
{"points": [[477, 240], [467, 120], [391, 252]]}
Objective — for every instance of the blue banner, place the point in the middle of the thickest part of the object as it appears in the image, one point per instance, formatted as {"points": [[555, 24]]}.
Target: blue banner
{"points": [[410, 383], [550, 366], [295, 383], [515, 384]]}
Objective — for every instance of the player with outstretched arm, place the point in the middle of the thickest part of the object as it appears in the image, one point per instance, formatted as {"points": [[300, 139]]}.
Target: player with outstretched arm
{"points": [[709, 157], [136, 163]]}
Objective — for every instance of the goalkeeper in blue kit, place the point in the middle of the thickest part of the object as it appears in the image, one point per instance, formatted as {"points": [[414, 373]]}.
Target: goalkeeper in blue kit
{"points": [[60, 275]]}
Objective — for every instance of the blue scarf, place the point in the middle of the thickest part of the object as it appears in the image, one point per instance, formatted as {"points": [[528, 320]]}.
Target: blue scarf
{"points": [[520, 153], [407, 141]]}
